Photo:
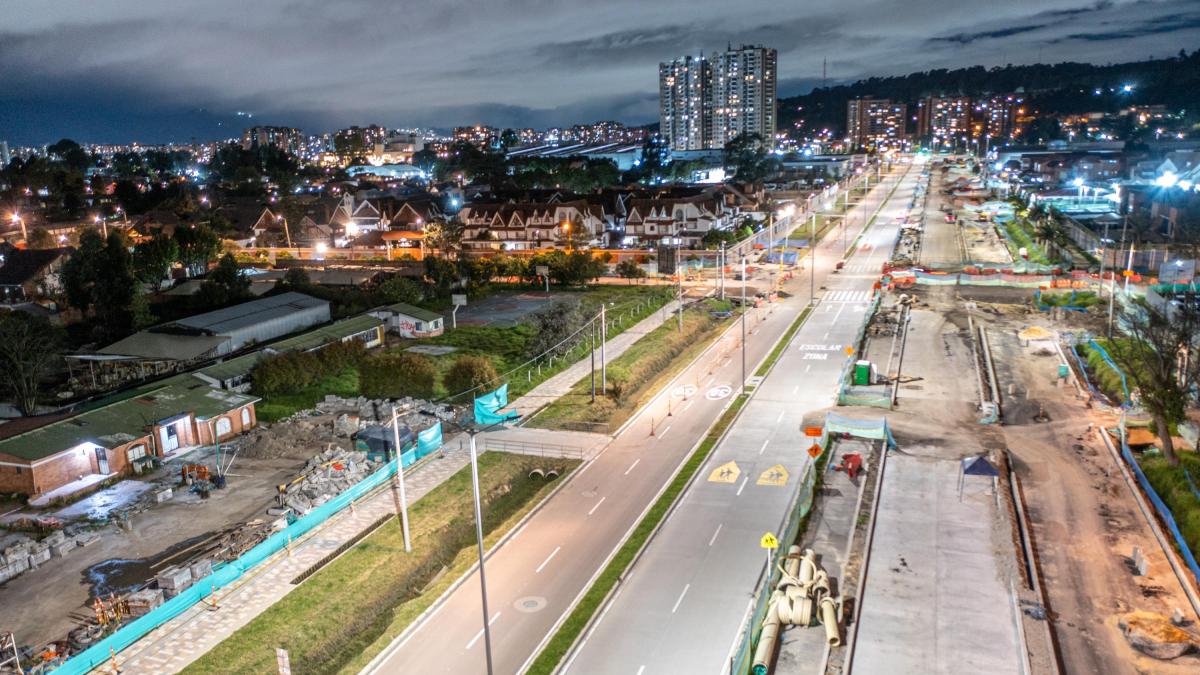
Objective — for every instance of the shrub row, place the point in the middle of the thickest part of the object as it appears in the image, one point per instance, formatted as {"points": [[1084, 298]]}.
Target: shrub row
{"points": [[292, 371]]}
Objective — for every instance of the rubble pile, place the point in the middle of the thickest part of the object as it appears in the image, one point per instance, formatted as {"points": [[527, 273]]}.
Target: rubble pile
{"points": [[325, 476]]}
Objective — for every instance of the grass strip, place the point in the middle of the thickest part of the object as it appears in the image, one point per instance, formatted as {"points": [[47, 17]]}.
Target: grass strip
{"points": [[1172, 485], [354, 607], [577, 621], [278, 406]]}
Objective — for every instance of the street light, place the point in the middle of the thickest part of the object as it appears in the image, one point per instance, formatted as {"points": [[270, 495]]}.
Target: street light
{"points": [[472, 431]]}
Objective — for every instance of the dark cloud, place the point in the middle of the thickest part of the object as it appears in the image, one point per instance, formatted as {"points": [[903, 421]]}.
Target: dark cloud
{"points": [[159, 71]]}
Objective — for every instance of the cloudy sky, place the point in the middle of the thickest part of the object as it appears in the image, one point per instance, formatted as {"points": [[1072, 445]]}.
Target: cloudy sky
{"points": [[155, 71]]}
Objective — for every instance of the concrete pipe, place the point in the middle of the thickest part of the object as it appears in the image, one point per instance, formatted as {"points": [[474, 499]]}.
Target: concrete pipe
{"points": [[829, 620], [765, 651], [537, 474], [552, 474]]}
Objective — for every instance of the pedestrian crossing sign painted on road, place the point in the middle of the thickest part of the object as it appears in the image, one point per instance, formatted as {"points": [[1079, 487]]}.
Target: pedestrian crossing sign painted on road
{"points": [[768, 541], [726, 473], [776, 476]]}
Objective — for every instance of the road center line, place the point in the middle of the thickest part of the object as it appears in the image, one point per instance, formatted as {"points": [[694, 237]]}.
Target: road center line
{"points": [[685, 590], [635, 463], [480, 633], [594, 508], [664, 432], [710, 381], [796, 389], [714, 537], [549, 558], [689, 404], [641, 670], [743, 485], [764, 447], [780, 418], [808, 367]]}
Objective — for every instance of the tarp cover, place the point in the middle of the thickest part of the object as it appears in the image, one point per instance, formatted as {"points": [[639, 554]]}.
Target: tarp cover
{"points": [[978, 466], [488, 407]]}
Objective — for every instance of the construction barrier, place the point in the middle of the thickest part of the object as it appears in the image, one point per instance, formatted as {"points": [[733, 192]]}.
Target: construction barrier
{"points": [[225, 574], [844, 395], [1164, 513]]}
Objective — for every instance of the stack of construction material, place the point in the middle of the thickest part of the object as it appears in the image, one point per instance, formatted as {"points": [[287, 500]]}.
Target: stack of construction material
{"points": [[14, 559], [174, 580], [326, 476], [141, 602], [60, 544]]}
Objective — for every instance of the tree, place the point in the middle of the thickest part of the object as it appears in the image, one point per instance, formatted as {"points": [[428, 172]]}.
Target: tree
{"points": [[225, 284], [552, 325], [294, 279], [468, 375], [98, 278], [152, 259], [40, 237], [81, 270], [1157, 356], [401, 289], [30, 347], [71, 154], [629, 269], [747, 155], [441, 274], [397, 375], [198, 246]]}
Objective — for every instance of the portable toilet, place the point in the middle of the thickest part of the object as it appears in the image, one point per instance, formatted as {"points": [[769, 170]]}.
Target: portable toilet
{"points": [[862, 373], [379, 443]]}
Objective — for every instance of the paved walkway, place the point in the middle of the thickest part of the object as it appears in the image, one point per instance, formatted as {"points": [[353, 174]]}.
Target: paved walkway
{"points": [[556, 386]]}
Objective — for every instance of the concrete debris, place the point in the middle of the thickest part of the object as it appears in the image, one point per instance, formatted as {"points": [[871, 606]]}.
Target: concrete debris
{"points": [[62, 549], [174, 578], [141, 602], [1153, 635]]}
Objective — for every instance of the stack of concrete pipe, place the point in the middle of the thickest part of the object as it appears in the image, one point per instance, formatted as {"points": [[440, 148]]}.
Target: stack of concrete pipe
{"points": [[802, 588]]}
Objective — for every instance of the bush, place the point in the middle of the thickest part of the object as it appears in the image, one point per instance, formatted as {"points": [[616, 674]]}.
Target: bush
{"points": [[397, 376], [292, 371], [469, 373], [618, 383], [400, 289]]}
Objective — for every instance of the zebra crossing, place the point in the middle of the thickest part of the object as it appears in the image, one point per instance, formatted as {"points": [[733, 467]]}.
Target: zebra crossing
{"points": [[847, 296], [862, 268]]}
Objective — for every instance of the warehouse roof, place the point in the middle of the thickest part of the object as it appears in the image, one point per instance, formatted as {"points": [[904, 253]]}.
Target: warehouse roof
{"points": [[327, 334], [227, 370], [246, 314], [165, 346], [125, 420]]}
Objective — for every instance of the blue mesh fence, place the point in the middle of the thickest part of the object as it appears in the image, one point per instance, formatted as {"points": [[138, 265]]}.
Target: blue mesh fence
{"points": [[227, 573]]}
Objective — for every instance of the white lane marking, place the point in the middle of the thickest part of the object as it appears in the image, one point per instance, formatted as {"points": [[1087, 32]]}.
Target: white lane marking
{"points": [[795, 390], [597, 505], [549, 558], [780, 418], [710, 381], [664, 432], [641, 670], [825, 336], [764, 447], [714, 537], [689, 404], [807, 368], [685, 590], [635, 463], [480, 633], [742, 486]]}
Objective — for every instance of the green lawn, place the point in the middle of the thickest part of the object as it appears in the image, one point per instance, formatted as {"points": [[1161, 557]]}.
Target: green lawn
{"points": [[342, 616], [1171, 484], [1018, 235]]}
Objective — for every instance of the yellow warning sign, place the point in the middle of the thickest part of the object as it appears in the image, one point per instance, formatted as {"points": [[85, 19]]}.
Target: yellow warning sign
{"points": [[768, 541], [776, 476], [726, 473]]}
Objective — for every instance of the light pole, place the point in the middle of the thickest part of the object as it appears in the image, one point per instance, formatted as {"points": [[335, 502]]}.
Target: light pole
{"points": [[472, 432], [400, 479], [812, 262], [743, 321]]}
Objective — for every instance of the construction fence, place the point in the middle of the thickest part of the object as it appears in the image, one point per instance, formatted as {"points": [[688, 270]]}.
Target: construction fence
{"points": [[848, 394], [225, 574], [835, 426]]}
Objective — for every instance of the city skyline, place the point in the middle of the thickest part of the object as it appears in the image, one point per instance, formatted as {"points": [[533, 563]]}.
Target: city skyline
{"points": [[119, 72]]}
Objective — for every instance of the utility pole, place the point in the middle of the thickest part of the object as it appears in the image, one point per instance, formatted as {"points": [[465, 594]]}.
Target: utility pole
{"points": [[603, 339], [679, 287], [487, 631], [400, 479], [721, 261], [593, 355], [812, 262], [743, 321]]}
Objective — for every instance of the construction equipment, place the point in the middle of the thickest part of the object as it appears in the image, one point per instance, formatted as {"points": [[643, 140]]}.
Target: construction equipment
{"points": [[191, 473]]}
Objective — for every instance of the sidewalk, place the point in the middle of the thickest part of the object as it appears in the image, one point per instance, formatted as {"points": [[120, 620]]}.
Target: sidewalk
{"points": [[556, 386]]}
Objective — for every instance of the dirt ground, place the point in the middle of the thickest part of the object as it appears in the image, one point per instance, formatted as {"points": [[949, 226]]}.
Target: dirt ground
{"points": [[61, 589], [1084, 519]]}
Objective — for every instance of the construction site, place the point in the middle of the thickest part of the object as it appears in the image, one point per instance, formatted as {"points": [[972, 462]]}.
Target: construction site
{"points": [[997, 528], [119, 553]]}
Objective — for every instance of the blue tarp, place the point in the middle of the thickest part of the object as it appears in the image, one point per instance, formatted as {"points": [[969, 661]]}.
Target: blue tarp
{"points": [[227, 573], [488, 407], [1164, 513]]}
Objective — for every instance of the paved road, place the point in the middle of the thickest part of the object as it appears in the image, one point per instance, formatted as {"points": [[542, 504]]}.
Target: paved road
{"points": [[682, 608], [536, 575], [941, 242]]}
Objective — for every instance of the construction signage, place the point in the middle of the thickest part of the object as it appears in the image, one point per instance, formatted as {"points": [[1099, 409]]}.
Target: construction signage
{"points": [[814, 451], [768, 541], [812, 432]]}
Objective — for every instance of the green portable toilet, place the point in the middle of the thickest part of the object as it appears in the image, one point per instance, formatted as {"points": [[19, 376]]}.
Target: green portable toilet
{"points": [[862, 373], [1063, 371]]}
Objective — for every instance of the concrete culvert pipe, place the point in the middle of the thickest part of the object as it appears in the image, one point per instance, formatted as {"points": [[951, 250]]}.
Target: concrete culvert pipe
{"points": [[537, 474], [829, 620], [552, 474]]}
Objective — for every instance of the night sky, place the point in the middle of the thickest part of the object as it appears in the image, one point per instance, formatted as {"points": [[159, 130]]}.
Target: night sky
{"points": [[122, 70]]}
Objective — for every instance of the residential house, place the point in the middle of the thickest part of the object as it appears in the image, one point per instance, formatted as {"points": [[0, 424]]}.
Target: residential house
{"points": [[409, 321], [673, 221], [31, 274], [531, 226]]}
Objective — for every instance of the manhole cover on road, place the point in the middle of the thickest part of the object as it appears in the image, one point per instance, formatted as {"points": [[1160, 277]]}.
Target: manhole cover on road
{"points": [[531, 603], [719, 392]]}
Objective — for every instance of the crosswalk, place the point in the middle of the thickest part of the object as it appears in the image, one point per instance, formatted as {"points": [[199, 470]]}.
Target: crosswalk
{"points": [[862, 268], [847, 296]]}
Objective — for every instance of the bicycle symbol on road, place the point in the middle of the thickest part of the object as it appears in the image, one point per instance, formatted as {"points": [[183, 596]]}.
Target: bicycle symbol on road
{"points": [[685, 391], [719, 392]]}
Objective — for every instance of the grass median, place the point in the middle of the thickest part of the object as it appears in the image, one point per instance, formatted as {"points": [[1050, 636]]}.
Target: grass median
{"points": [[347, 612], [635, 376]]}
